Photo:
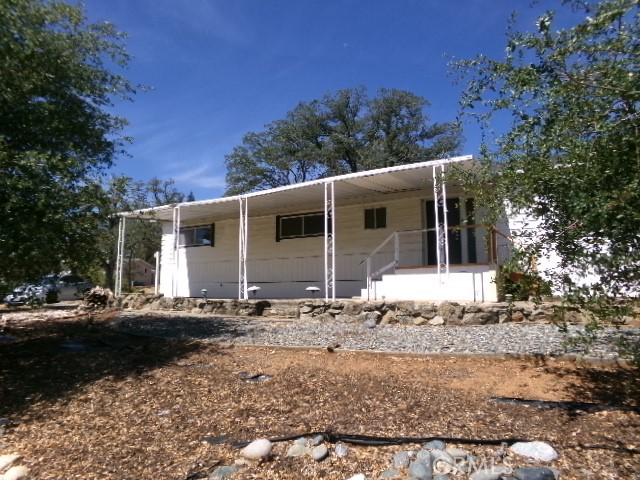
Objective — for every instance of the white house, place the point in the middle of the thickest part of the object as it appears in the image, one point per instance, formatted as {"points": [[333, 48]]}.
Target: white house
{"points": [[397, 233]]}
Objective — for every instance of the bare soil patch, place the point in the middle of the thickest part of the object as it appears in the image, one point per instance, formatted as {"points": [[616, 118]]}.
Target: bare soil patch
{"points": [[86, 402]]}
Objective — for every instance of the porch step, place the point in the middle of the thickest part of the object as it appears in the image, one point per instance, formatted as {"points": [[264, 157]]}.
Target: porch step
{"points": [[470, 284]]}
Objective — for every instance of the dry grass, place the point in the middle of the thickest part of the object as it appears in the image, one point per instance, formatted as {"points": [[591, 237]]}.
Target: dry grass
{"points": [[132, 407]]}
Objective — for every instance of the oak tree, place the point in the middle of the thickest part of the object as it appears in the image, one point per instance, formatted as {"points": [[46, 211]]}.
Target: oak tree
{"points": [[344, 132]]}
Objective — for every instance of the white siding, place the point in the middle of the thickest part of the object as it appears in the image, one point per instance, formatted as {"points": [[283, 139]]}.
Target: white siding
{"points": [[285, 268]]}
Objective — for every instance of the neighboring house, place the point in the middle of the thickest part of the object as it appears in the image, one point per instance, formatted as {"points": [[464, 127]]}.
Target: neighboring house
{"points": [[395, 233], [139, 272]]}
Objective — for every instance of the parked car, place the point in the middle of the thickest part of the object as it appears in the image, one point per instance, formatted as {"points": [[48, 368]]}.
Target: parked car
{"points": [[65, 287], [27, 294]]}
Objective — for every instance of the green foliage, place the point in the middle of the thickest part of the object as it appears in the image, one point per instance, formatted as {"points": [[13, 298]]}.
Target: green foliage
{"points": [[571, 156], [341, 133], [57, 133], [519, 279]]}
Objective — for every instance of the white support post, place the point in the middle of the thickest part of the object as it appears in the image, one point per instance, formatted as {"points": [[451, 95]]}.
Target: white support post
{"points": [[176, 247], [156, 280], [369, 278], [120, 256], [396, 249], [329, 242], [243, 294], [442, 227]]}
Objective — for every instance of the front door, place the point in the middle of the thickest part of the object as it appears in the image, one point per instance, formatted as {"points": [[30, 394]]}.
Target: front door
{"points": [[461, 233], [455, 239]]}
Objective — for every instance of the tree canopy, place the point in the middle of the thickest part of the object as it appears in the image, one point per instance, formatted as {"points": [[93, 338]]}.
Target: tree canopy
{"points": [[57, 132], [343, 132], [121, 194], [571, 154]]}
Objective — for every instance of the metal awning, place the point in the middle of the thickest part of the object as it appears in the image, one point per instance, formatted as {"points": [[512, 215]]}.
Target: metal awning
{"points": [[403, 178], [329, 192]]}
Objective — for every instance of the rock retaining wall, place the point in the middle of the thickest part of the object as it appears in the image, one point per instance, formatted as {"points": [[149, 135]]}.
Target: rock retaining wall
{"points": [[357, 311]]}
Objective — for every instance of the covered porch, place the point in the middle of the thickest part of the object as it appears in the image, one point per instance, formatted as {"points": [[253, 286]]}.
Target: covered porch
{"points": [[339, 237]]}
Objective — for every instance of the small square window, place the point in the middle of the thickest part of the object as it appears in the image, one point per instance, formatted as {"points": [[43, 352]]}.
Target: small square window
{"points": [[375, 218]]}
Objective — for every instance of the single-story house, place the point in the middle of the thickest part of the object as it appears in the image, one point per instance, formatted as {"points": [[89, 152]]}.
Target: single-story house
{"points": [[398, 233]]}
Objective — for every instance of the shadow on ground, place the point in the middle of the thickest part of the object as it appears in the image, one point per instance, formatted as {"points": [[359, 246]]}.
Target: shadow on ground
{"points": [[49, 360], [618, 386]]}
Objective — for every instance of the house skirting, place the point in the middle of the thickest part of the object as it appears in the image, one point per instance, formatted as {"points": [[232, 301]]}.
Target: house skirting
{"points": [[354, 311]]}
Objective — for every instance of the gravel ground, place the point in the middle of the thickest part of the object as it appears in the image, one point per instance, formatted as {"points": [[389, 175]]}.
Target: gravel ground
{"points": [[502, 339]]}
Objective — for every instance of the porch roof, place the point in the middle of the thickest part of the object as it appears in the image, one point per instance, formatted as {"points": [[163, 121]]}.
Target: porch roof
{"points": [[402, 178]]}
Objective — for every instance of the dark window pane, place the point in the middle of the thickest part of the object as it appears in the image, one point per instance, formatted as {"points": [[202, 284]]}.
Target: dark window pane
{"points": [[186, 236], [381, 217], [290, 227], [369, 218], [313, 225], [203, 236]]}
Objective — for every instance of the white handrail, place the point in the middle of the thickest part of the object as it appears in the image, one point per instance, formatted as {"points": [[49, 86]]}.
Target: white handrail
{"points": [[396, 257]]}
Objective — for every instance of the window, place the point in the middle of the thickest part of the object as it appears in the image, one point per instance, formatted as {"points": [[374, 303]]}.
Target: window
{"points": [[197, 236], [301, 225], [375, 218]]}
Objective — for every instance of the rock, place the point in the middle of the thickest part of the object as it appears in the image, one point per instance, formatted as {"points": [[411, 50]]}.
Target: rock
{"points": [[16, 473], [319, 453], [358, 476], [494, 473], [224, 471], [539, 314], [419, 321], [479, 318], [374, 316], [451, 312], [401, 460], [444, 476], [457, 452], [390, 473], [352, 309], [370, 323], [316, 440], [437, 320], [388, 318], [440, 455], [534, 473], [537, 450], [434, 445], [257, 450], [7, 460], [442, 467], [297, 450], [424, 455], [301, 441], [404, 319], [421, 470], [341, 450]]}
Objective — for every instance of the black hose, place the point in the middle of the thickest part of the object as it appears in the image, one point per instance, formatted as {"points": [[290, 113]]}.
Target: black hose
{"points": [[371, 440]]}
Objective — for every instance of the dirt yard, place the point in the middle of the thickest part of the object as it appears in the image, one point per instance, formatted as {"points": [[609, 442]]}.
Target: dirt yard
{"points": [[83, 402]]}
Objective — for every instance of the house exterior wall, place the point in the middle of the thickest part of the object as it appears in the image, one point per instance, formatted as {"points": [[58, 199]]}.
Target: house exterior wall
{"points": [[285, 268]]}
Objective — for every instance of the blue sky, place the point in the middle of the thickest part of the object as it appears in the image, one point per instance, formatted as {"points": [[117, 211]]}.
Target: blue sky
{"points": [[222, 68]]}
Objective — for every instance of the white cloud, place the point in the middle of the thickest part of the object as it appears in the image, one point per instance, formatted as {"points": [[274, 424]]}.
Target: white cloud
{"points": [[201, 176]]}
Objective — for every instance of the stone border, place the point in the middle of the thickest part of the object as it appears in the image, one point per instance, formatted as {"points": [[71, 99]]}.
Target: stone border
{"points": [[358, 311]]}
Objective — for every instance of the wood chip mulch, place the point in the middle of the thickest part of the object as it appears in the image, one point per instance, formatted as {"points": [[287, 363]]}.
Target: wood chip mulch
{"points": [[85, 402]]}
